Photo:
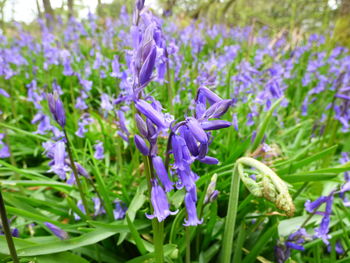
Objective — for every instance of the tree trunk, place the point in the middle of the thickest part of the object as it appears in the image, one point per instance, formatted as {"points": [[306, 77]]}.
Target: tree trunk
{"points": [[2, 21], [49, 14], [70, 8], [342, 26], [38, 9]]}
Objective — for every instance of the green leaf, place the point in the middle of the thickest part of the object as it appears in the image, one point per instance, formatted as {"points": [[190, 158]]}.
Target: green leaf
{"points": [[90, 238], [20, 131], [138, 240], [308, 177], [60, 257], [136, 203], [169, 249], [260, 244], [32, 216], [46, 183], [263, 125], [293, 166]]}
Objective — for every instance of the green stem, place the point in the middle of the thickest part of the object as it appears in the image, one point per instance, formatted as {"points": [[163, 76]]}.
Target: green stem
{"points": [[169, 85], [188, 245], [230, 218], [7, 231], [75, 173], [158, 230], [158, 227]]}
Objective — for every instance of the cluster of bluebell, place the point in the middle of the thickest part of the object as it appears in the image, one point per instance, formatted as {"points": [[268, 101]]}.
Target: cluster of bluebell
{"points": [[61, 163], [298, 238], [188, 140]]}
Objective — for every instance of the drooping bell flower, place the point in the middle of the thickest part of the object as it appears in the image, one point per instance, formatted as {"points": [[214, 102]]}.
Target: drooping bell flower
{"points": [[141, 145], [59, 165], [196, 129], [141, 125], [4, 149], [58, 232], [147, 68], [160, 203], [146, 109], [190, 203], [215, 125], [208, 94], [217, 109], [57, 109], [119, 210], [99, 151], [162, 173]]}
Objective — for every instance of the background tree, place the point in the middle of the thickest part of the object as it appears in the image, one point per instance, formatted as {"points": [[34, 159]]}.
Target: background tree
{"points": [[48, 11]]}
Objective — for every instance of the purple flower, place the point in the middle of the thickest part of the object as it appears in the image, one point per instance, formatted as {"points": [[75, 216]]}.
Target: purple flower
{"points": [[4, 93], [141, 125], [152, 114], [140, 4], [116, 68], [323, 229], [162, 173], [57, 109], [190, 203], [59, 166], [99, 210], [312, 206], [294, 241], [208, 94], [99, 151], [215, 125], [84, 120], [141, 145], [4, 149], [147, 68], [106, 103], [159, 203], [119, 210], [217, 109], [58, 232], [209, 160], [196, 130], [81, 208], [191, 142]]}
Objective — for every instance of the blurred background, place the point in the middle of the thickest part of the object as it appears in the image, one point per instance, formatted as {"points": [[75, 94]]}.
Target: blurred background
{"points": [[328, 17]]}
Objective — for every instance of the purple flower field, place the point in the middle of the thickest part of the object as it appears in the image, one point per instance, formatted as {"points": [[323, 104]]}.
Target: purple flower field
{"points": [[141, 139]]}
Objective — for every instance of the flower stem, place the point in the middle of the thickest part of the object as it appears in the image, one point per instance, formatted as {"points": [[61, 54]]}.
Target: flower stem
{"points": [[188, 245], [230, 218], [7, 231], [158, 227], [75, 173]]}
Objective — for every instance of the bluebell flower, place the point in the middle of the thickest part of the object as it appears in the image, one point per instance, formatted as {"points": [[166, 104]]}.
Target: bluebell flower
{"points": [[150, 113], [98, 207], [57, 109], [215, 125], [99, 151], [59, 155], [119, 210], [190, 203], [81, 208], [106, 103], [197, 131], [4, 149], [141, 145], [311, 207], [294, 241], [160, 203], [58, 232], [162, 173]]}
